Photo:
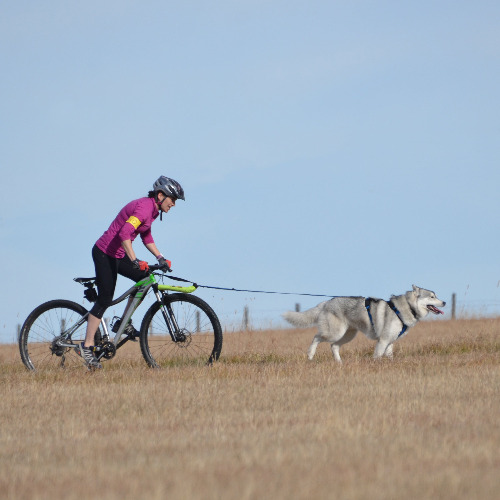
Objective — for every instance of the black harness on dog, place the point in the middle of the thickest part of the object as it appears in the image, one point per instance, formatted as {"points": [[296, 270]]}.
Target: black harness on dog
{"points": [[390, 303]]}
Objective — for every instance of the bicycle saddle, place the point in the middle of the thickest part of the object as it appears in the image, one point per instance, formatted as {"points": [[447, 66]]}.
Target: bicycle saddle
{"points": [[84, 280]]}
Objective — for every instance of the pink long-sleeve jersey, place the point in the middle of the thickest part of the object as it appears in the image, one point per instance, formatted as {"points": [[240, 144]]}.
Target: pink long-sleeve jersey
{"points": [[134, 218]]}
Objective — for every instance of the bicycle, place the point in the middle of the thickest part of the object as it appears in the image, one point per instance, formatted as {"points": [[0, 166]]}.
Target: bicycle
{"points": [[177, 328]]}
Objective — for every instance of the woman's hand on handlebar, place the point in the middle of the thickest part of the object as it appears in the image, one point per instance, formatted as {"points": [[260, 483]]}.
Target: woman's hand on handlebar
{"points": [[164, 264], [161, 267], [140, 264]]}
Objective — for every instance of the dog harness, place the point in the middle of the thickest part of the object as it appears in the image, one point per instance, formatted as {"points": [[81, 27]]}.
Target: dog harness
{"points": [[390, 303]]}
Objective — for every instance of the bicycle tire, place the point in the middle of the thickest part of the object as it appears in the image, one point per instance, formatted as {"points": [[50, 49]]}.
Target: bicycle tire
{"points": [[196, 320], [42, 326]]}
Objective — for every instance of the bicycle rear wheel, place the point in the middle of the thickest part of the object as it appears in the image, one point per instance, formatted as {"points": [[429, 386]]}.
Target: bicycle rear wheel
{"points": [[44, 326], [199, 328]]}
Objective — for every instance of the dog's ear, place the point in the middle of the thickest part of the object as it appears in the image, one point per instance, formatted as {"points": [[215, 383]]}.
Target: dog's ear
{"points": [[416, 289]]}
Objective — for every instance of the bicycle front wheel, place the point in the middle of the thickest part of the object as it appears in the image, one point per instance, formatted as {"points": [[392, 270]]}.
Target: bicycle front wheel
{"points": [[199, 331], [44, 327]]}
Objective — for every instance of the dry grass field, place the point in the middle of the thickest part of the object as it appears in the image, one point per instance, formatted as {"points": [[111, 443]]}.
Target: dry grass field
{"points": [[264, 422]]}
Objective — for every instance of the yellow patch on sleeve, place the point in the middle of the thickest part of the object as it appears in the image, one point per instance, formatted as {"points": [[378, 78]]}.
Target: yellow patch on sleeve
{"points": [[134, 221]]}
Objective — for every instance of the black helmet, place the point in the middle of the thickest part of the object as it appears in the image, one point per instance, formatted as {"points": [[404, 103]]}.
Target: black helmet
{"points": [[169, 187]]}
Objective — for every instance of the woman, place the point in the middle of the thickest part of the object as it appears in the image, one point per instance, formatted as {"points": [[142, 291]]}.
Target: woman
{"points": [[113, 254]]}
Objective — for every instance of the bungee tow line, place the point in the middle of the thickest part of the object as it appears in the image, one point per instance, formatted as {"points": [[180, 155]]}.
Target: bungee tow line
{"points": [[368, 300], [249, 291]]}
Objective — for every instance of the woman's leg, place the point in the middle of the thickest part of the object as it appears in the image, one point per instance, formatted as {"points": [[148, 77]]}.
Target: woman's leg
{"points": [[106, 274], [92, 326], [126, 268]]}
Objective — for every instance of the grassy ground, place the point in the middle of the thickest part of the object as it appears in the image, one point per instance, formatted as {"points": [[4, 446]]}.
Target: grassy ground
{"points": [[264, 422]]}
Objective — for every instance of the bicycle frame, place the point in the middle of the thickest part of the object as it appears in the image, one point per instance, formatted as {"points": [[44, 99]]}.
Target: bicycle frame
{"points": [[138, 291]]}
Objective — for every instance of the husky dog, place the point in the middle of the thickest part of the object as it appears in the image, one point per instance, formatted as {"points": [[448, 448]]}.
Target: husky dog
{"points": [[340, 319]]}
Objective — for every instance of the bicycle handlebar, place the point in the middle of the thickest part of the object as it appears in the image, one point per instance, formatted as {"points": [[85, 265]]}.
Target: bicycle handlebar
{"points": [[157, 267]]}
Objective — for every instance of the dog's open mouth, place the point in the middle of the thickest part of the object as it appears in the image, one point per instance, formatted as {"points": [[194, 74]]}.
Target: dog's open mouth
{"points": [[434, 310]]}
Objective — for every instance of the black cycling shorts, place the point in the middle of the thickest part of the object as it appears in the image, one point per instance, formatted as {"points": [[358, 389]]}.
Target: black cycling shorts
{"points": [[107, 270]]}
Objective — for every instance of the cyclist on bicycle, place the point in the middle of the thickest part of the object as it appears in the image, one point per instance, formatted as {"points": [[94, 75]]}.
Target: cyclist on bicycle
{"points": [[113, 254]]}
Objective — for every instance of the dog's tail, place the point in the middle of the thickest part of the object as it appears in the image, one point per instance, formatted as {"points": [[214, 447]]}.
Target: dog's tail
{"points": [[303, 319]]}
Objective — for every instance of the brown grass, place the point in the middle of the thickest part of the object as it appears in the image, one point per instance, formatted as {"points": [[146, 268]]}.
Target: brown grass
{"points": [[264, 422]]}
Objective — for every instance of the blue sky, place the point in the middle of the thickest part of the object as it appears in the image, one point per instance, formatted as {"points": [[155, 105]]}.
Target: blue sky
{"points": [[329, 147]]}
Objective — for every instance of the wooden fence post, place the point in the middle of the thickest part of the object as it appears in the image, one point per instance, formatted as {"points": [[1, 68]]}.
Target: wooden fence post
{"points": [[453, 305], [297, 307], [245, 318]]}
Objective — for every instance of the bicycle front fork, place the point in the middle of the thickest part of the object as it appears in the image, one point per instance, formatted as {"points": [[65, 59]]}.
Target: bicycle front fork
{"points": [[169, 317]]}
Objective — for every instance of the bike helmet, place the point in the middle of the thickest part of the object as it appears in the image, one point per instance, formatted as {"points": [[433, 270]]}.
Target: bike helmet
{"points": [[168, 187]]}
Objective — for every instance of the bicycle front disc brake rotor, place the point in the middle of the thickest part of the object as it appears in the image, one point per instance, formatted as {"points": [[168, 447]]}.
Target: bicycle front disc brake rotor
{"points": [[184, 338]]}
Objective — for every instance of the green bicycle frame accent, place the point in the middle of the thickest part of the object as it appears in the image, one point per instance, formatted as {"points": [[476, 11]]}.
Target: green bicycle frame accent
{"points": [[163, 288], [182, 289]]}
